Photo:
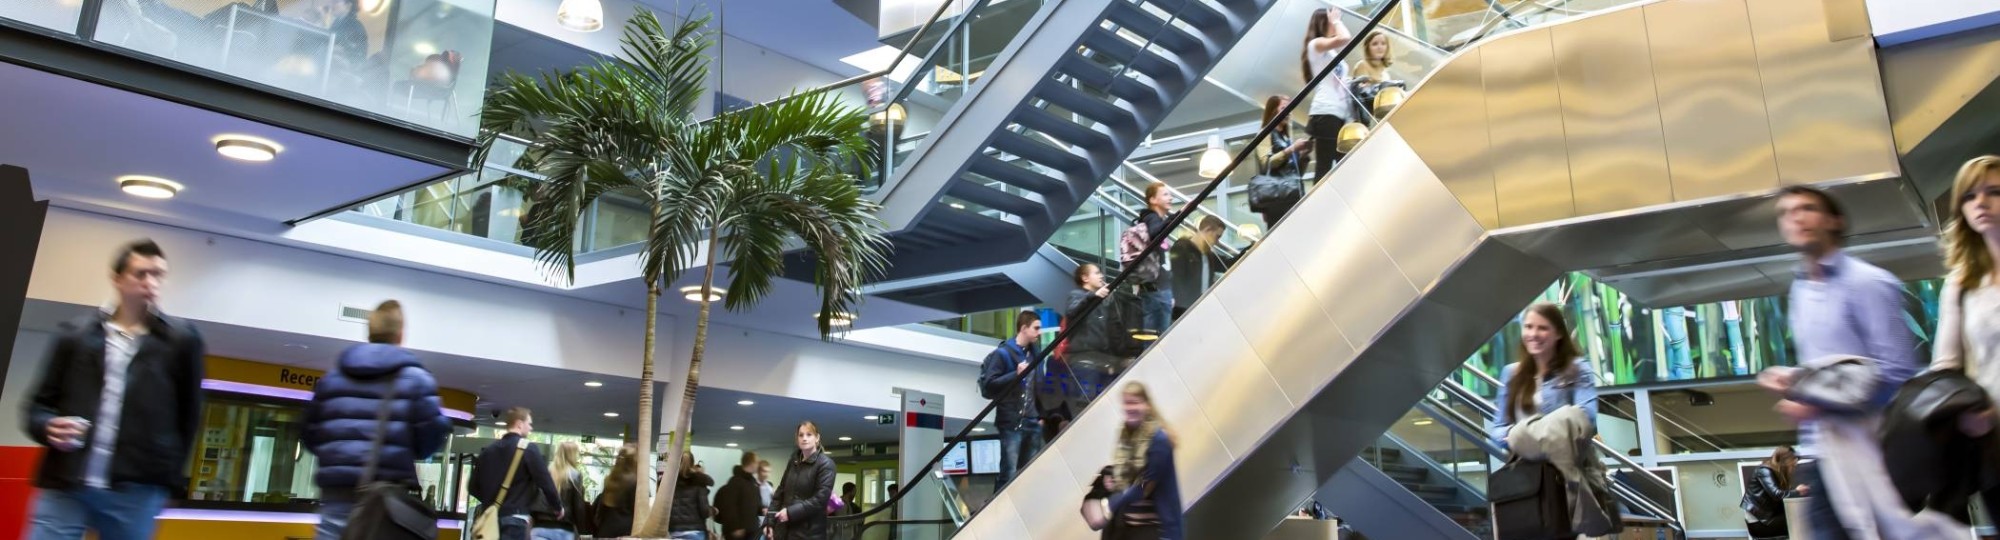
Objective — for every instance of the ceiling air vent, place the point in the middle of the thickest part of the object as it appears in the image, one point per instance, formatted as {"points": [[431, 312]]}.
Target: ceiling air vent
{"points": [[355, 314]]}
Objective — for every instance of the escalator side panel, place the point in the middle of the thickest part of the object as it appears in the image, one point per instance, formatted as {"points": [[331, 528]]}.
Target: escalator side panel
{"points": [[1718, 127], [1445, 123], [1604, 69], [1375, 505], [1811, 83]]}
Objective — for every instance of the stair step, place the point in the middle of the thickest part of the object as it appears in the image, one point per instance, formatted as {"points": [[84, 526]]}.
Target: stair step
{"points": [[1074, 134], [1028, 209], [1145, 24], [1093, 107], [1141, 93], [1431, 488], [1147, 61], [1195, 12], [1039, 152], [1018, 176]]}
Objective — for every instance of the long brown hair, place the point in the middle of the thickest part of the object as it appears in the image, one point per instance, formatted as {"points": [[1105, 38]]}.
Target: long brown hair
{"points": [[1783, 462], [1964, 249], [1271, 106], [624, 478], [1521, 388], [1315, 28]]}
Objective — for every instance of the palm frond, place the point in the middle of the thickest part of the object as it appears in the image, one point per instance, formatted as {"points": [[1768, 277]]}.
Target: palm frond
{"points": [[822, 208]]}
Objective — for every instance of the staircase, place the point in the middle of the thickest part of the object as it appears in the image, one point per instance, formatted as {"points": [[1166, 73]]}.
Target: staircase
{"points": [[1433, 485]]}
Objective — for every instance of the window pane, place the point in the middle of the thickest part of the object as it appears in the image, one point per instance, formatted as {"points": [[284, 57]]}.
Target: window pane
{"points": [[251, 452]]}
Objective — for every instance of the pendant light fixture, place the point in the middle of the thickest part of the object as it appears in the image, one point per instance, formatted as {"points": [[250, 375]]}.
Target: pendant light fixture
{"points": [[1214, 159], [581, 15]]}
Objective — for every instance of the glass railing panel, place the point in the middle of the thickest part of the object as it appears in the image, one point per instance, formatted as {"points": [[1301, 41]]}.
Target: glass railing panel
{"points": [[57, 15], [940, 74], [419, 61], [1450, 452]]}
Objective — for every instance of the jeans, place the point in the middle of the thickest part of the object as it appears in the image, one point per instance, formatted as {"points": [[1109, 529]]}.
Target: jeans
{"points": [[1158, 309], [1680, 360], [1093, 370], [514, 528], [125, 512], [1819, 507], [688, 535], [333, 513], [1017, 446]]}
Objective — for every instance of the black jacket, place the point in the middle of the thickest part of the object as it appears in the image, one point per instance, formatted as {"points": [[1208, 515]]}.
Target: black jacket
{"points": [[1090, 333], [611, 521], [575, 511], [162, 408], [998, 381], [691, 510], [1190, 279], [531, 480], [1764, 498], [738, 504], [802, 495]]}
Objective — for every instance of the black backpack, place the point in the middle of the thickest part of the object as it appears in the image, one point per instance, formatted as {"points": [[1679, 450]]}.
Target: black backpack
{"points": [[1530, 501]]}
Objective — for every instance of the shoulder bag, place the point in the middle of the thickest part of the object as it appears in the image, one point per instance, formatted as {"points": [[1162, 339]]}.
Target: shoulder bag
{"points": [[1530, 501], [387, 510], [487, 525]]}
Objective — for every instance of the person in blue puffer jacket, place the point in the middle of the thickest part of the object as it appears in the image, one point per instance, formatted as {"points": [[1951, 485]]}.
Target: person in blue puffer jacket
{"points": [[340, 421]]}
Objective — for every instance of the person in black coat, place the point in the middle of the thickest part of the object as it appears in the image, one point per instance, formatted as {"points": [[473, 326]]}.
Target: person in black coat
{"points": [[1004, 377], [612, 512], [740, 503], [1764, 494], [531, 480], [340, 422], [117, 452], [1089, 350], [799, 505], [690, 511], [1197, 260]]}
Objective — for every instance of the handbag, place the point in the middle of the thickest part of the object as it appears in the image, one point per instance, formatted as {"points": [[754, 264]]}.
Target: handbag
{"points": [[487, 525], [387, 510], [1529, 501]]}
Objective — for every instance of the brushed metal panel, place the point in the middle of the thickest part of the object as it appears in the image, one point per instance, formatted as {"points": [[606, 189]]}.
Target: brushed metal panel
{"points": [[1088, 442], [1405, 207], [1047, 482], [1199, 455], [1445, 123], [1829, 119], [999, 518], [1711, 103], [1279, 316], [1524, 122], [1611, 113], [1351, 276], [1229, 382]]}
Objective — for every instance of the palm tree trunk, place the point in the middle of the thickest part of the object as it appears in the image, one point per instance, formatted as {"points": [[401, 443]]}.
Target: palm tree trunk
{"points": [[663, 501], [641, 500]]}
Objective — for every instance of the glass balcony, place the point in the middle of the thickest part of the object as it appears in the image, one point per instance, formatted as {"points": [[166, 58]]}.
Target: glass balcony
{"points": [[422, 62]]}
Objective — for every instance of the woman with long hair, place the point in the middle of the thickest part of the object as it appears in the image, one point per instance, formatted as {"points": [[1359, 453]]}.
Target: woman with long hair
{"points": [[1332, 102], [1764, 494], [798, 507], [1285, 162], [687, 518], [1968, 324], [1375, 58], [566, 468], [614, 505], [1548, 373], [1144, 495]]}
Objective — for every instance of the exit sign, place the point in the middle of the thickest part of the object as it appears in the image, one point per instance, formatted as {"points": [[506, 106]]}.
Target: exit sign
{"points": [[885, 419]]}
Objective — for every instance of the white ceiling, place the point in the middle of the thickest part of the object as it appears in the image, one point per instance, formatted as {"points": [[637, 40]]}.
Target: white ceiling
{"points": [[76, 137]]}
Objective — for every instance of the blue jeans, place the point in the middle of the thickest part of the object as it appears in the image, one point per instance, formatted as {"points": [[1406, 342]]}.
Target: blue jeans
{"points": [[1819, 508], [688, 535], [333, 513], [553, 534], [1157, 308], [125, 512], [1017, 446], [513, 528]]}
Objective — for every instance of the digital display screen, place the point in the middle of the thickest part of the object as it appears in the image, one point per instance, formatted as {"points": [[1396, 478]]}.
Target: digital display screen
{"points": [[986, 456], [955, 461]]}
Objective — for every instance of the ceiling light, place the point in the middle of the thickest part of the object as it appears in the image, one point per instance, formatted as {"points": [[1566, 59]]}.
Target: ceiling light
{"points": [[731, 445], [611, 415], [1422, 422], [151, 187], [1214, 159], [501, 424], [693, 293], [592, 384], [846, 438], [374, 7], [736, 428], [958, 206], [580, 15], [838, 319], [979, 430], [1169, 160], [424, 48], [246, 148], [869, 417], [746, 402]]}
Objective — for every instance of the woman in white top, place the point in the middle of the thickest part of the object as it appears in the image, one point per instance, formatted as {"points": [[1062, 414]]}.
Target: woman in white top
{"points": [[1968, 326], [1332, 104]]}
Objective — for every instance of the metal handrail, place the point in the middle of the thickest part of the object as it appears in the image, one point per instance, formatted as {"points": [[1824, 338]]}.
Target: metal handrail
{"points": [[1602, 448]]}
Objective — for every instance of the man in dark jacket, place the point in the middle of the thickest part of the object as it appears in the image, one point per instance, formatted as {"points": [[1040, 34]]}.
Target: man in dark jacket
{"points": [[1004, 377], [740, 502], [340, 422], [531, 478], [116, 450]]}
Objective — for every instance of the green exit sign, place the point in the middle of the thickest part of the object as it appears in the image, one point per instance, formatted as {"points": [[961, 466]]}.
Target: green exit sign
{"points": [[885, 419]]}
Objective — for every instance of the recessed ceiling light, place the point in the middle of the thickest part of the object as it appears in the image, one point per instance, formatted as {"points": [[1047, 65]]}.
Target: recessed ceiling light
{"points": [[838, 319], [958, 206], [736, 428], [246, 148], [1422, 422], [847, 438], [1170, 160], [425, 48], [978, 430], [611, 415], [869, 417], [151, 187], [693, 293], [731, 445], [746, 402], [501, 424], [593, 384]]}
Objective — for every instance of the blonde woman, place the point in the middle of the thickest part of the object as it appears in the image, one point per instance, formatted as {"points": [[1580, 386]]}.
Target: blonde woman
{"points": [[1144, 490], [566, 467], [1375, 62], [1968, 326]]}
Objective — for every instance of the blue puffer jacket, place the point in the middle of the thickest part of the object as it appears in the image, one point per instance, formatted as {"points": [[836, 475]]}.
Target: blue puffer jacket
{"points": [[340, 421]]}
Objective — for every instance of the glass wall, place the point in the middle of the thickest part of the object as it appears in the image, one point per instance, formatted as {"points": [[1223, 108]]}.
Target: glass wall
{"points": [[251, 451], [58, 15], [419, 61]]}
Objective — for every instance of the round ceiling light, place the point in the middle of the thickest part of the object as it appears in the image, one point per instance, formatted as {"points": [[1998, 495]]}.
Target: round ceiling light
{"points": [[580, 15], [611, 415], [247, 148], [693, 293], [838, 319], [151, 187]]}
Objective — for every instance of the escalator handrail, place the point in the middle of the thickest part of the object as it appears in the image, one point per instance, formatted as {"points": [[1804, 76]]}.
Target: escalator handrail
{"points": [[964, 18], [1091, 303], [1605, 449], [1465, 427]]}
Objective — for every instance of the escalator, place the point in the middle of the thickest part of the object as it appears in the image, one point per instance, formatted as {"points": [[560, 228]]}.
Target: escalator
{"points": [[1651, 133]]}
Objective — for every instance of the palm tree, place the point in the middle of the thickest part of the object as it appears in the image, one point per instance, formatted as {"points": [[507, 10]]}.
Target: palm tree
{"points": [[745, 187]]}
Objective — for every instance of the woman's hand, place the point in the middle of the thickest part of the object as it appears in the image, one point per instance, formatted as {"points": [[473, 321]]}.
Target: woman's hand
{"points": [[782, 517], [1798, 412]]}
